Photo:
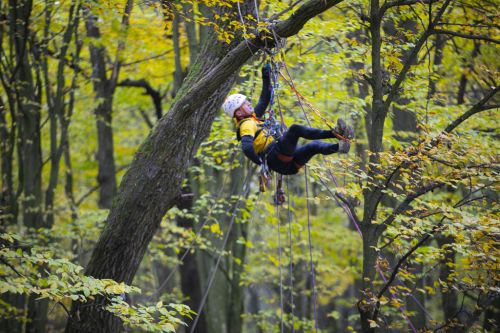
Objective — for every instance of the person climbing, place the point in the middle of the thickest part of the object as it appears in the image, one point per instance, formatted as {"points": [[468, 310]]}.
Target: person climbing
{"points": [[282, 155]]}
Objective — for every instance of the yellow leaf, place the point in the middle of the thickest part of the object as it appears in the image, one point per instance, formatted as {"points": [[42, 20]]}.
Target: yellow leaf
{"points": [[215, 229]]}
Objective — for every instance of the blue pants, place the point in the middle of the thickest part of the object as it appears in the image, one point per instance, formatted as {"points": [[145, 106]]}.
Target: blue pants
{"points": [[286, 158]]}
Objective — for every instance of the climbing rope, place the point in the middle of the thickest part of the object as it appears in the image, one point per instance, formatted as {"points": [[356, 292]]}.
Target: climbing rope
{"points": [[195, 238], [292, 306], [246, 186], [280, 269], [247, 42], [313, 277], [303, 100], [337, 196]]}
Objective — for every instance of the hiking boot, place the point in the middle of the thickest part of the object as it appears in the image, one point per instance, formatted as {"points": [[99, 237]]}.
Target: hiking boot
{"points": [[344, 146], [347, 131]]}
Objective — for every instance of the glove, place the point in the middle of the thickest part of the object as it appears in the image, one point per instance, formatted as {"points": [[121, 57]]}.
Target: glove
{"points": [[266, 71]]}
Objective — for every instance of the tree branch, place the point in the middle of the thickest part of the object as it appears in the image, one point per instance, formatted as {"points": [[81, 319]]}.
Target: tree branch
{"points": [[395, 271], [245, 49], [398, 266], [413, 56], [143, 83], [479, 107], [403, 206], [463, 35], [398, 3]]}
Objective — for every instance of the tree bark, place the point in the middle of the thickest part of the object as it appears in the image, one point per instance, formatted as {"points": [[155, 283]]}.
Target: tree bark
{"points": [[449, 297], [153, 181]]}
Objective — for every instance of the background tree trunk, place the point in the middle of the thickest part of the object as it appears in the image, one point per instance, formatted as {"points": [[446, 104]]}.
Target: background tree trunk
{"points": [[190, 275], [104, 89]]}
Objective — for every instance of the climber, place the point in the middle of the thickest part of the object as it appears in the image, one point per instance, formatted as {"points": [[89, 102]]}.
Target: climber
{"points": [[282, 155]]}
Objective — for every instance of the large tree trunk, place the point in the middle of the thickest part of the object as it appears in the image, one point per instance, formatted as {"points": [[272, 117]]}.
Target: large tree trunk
{"points": [[152, 183]]}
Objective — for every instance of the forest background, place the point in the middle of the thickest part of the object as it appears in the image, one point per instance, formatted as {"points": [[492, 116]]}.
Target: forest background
{"points": [[126, 201]]}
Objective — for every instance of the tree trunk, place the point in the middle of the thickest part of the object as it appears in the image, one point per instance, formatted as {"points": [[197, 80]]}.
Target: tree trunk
{"points": [[152, 183], [8, 211], [28, 101], [192, 37], [103, 88], [370, 239], [237, 264], [449, 296]]}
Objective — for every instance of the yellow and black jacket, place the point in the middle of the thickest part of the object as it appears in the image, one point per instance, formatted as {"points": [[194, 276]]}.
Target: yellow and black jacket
{"points": [[254, 139]]}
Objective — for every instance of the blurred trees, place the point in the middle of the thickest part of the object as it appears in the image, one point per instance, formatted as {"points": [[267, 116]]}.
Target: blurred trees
{"points": [[128, 93]]}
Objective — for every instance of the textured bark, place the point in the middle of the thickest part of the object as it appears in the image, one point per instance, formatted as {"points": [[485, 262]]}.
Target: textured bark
{"points": [[104, 95], [375, 125], [190, 26], [152, 183]]}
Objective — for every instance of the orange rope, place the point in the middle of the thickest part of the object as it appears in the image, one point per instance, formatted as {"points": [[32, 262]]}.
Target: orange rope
{"points": [[310, 106]]}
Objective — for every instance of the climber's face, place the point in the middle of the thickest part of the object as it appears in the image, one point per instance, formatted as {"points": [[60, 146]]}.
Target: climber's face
{"points": [[245, 110]]}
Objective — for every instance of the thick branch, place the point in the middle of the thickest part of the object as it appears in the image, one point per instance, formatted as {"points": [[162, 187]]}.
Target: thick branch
{"points": [[245, 49]]}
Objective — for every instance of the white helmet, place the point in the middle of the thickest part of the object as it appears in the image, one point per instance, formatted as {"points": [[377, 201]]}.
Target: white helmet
{"points": [[232, 103]]}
